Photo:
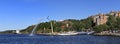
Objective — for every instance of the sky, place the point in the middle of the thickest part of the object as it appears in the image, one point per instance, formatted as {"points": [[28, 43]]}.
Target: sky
{"points": [[19, 14]]}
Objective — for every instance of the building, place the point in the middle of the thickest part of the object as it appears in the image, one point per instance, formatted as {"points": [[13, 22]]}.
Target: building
{"points": [[114, 13], [100, 19]]}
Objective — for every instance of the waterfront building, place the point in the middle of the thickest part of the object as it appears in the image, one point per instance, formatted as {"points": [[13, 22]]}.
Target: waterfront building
{"points": [[100, 19], [114, 13]]}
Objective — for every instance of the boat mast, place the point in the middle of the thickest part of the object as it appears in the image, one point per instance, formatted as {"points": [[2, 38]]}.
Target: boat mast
{"points": [[33, 30], [50, 24]]}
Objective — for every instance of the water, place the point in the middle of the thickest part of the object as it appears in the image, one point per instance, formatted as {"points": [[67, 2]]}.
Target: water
{"points": [[41, 39]]}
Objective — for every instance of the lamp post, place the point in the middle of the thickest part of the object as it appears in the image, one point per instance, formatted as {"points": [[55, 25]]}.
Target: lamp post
{"points": [[50, 24]]}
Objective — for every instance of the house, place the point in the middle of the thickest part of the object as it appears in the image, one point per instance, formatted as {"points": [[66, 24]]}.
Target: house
{"points": [[100, 19]]}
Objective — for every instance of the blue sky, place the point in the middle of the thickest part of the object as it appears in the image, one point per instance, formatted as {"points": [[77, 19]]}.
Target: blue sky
{"points": [[19, 14]]}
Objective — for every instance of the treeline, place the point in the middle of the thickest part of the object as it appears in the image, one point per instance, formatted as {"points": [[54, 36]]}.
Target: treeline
{"points": [[8, 32], [61, 26]]}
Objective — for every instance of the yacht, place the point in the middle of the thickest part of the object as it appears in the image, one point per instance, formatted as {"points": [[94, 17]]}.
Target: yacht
{"points": [[68, 33], [90, 32], [82, 33], [85, 33]]}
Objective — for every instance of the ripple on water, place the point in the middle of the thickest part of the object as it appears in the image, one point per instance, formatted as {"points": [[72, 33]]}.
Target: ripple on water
{"points": [[40, 39]]}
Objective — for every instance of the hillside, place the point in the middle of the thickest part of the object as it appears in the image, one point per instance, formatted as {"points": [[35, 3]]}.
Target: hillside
{"points": [[98, 23], [60, 26]]}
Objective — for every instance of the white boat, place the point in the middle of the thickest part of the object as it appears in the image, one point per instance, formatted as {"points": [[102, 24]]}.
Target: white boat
{"points": [[90, 32], [68, 33], [17, 32], [82, 33], [85, 33]]}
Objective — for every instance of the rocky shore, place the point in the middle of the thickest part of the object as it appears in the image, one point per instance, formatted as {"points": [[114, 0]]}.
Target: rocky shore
{"points": [[107, 34]]}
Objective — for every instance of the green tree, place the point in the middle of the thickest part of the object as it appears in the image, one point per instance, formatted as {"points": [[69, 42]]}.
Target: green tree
{"points": [[118, 23], [112, 22], [100, 28]]}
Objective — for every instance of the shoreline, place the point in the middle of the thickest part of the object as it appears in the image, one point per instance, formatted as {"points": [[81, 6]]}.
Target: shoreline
{"points": [[94, 34], [107, 34]]}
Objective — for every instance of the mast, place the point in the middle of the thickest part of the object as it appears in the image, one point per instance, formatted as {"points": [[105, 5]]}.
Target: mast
{"points": [[50, 24], [33, 30]]}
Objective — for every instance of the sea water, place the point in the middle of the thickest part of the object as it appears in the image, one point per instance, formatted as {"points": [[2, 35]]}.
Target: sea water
{"points": [[42, 39]]}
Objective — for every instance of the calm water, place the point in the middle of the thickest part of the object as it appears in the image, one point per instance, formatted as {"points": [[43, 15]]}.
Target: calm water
{"points": [[40, 39]]}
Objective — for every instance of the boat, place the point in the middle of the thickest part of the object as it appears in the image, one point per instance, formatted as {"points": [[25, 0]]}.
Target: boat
{"points": [[17, 32], [85, 33], [82, 33], [90, 32], [68, 33]]}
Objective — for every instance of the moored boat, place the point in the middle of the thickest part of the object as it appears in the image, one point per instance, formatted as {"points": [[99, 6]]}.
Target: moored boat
{"points": [[85, 33], [82, 33], [68, 33], [90, 32]]}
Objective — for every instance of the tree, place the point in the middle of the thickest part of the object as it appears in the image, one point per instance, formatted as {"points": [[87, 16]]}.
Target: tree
{"points": [[100, 28], [57, 26], [112, 22], [118, 22], [86, 23]]}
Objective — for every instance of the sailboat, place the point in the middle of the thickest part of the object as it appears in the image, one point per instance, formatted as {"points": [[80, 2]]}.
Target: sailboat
{"points": [[90, 32], [85, 33], [68, 33]]}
